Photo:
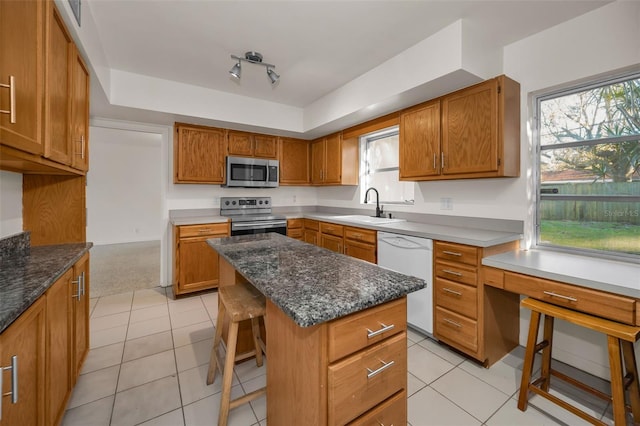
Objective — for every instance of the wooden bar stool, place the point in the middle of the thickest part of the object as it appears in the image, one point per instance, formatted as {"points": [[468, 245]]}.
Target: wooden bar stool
{"points": [[620, 339], [238, 302]]}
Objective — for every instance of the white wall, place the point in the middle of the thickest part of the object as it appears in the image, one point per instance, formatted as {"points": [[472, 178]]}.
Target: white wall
{"points": [[124, 186], [10, 203], [598, 43]]}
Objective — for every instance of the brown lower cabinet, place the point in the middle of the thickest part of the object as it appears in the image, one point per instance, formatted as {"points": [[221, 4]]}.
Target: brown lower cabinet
{"points": [[25, 340], [195, 263], [331, 373], [49, 341]]}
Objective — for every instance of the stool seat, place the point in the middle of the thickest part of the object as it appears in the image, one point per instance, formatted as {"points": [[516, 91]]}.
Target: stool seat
{"points": [[238, 302], [620, 342]]}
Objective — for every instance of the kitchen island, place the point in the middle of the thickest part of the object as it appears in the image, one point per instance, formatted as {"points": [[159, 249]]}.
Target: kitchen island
{"points": [[336, 330]]}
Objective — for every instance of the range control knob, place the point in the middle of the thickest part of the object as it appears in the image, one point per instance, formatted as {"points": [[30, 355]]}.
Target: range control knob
{"points": [[266, 201], [233, 202], [226, 203]]}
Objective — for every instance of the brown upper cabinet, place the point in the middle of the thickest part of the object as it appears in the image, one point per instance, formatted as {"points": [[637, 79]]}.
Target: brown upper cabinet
{"points": [[58, 91], [334, 161], [252, 145], [44, 92], [80, 113], [22, 64], [295, 155], [477, 136], [199, 154]]}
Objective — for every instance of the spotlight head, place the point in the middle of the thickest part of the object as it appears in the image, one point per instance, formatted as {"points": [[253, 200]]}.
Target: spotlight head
{"points": [[272, 76], [235, 71]]}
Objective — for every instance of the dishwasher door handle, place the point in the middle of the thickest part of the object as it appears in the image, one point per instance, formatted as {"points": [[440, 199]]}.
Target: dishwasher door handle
{"points": [[409, 245]]}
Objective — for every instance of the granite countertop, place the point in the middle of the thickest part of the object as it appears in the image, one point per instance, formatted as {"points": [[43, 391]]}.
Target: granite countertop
{"points": [[599, 274], [24, 278], [311, 284]]}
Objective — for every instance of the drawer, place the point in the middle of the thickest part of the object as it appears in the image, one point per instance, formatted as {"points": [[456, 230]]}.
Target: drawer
{"points": [[295, 233], [493, 277], [360, 250], [456, 272], [294, 223], [594, 302], [459, 298], [361, 329], [393, 411], [362, 235], [456, 252], [331, 229], [311, 224], [204, 229], [456, 328], [364, 380]]}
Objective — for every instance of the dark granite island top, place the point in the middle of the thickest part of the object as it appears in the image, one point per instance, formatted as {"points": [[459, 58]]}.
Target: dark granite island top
{"points": [[25, 277], [311, 284]]}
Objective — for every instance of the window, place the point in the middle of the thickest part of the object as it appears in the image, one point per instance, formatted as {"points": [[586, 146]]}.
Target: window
{"points": [[589, 168], [380, 167]]}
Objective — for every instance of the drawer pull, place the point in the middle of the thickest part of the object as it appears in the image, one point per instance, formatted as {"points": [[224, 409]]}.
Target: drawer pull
{"points": [[447, 320], [371, 333], [357, 235], [385, 365], [448, 290], [448, 271], [560, 296], [204, 230], [451, 253]]}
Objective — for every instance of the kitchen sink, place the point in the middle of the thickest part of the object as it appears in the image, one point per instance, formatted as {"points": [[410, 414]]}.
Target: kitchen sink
{"points": [[369, 220]]}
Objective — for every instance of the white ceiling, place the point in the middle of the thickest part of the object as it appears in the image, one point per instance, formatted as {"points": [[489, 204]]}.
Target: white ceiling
{"points": [[317, 46]]}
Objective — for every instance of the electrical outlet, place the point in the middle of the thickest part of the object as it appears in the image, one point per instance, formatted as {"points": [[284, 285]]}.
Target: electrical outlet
{"points": [[446, 203], [294, 198]]}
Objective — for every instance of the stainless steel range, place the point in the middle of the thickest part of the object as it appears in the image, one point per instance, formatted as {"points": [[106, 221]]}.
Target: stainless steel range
{"points": [[252, 215]]}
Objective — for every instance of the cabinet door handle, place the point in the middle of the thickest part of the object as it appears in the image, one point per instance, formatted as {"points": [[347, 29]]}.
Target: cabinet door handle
{"points": [[442, 161], [560, 296], [448, 290], [12, 99], [82, 147], [371, 333], [82, 288], [456, 324], [14, 382], [78, 284], [385, 365], [435, 166], [448, 271], [451, 253]]}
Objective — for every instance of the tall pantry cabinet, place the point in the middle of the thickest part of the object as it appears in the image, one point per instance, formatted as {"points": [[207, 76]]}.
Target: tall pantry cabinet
{"points": [[44, 122]]}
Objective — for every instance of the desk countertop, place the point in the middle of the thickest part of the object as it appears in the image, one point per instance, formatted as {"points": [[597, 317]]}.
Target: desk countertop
{"points": [[311, 284]]}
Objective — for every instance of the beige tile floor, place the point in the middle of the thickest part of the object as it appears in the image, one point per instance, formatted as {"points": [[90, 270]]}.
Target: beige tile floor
{"points": [[149, 357]]}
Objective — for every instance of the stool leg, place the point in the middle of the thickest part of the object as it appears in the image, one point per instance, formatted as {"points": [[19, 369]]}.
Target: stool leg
{"points": [[213, 361], [629, 356], [617, 386], [255, 328], [546, 353], [227, 375], [527, 368]]}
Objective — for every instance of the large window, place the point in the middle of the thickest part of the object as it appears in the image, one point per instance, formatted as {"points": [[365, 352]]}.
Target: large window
{"points": [[380, 168], [589, 168]]}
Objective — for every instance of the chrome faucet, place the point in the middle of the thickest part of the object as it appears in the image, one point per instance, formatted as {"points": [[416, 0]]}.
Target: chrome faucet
{"points": [[378, 209]]}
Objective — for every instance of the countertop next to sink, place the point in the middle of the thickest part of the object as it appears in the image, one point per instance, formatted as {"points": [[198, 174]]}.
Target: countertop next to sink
{"points": [[309, 284], [454, 234], [24, 277], [599, 274]]}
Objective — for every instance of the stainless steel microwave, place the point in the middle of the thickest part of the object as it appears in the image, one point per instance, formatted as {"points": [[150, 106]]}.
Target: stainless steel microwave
{"points": [[252, 172]]}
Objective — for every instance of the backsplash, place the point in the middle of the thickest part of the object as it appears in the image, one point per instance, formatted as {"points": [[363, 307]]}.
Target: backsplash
{"points": [[15, 245]]}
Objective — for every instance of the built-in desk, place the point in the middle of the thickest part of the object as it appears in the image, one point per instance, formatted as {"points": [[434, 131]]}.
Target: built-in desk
{"points": [[601, 287]]}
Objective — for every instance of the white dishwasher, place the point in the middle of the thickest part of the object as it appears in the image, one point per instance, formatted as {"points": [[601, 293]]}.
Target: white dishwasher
{"points": [[411, 256]]}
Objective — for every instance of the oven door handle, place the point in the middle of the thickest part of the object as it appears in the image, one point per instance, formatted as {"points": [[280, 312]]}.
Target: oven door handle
{"points": [[261, 225]]}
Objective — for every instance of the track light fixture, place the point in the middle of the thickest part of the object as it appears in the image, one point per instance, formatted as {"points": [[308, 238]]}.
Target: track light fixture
{"points": [[253, 58]]}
